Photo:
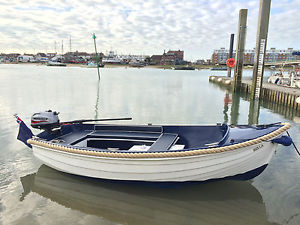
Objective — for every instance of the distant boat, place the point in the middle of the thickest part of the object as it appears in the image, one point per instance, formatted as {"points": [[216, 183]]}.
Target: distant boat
{"points": [[184, 68], [51, 63], [94, 65], [219, 68], [297, 82], [135, 63], [58, 62], [111, 59], [290, 79]]}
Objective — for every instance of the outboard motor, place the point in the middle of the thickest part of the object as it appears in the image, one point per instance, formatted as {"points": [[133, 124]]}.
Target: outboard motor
{"points": [[47, 120]]}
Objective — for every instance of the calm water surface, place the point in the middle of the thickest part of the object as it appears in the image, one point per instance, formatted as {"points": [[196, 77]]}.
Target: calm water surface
{"points": [[32, 193]]}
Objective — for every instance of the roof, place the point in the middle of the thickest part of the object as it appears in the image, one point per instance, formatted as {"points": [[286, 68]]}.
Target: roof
{"points": [[42, 54], [156, 57]]}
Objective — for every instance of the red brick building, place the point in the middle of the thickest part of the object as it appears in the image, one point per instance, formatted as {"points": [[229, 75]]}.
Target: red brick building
{"points": [[172, 57], [169, 58]]}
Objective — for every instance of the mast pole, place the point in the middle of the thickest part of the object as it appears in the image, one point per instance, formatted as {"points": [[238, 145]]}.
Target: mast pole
{"points": [[97, 61]]}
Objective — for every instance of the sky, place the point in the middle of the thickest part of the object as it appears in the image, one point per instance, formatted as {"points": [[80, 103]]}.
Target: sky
{"points": [[140, 27]]}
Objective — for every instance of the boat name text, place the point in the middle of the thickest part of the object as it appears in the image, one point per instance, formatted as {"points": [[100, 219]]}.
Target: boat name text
{"points": [[258, 147]]}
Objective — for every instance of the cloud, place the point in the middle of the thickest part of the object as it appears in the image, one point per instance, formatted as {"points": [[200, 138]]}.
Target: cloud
{"points": [[140, 27]]}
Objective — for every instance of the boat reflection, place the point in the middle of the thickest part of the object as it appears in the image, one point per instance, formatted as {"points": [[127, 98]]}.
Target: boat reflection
{"points": [[224, 202]]}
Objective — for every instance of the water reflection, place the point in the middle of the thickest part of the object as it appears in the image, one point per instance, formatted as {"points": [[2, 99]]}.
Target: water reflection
{"points": [[254, 109], [227, 202], [97, 100], [232, 100], [235, 109], [227, 102]]}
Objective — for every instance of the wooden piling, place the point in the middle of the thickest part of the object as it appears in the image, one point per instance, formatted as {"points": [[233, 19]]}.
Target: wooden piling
{"points": [[261, 44], [239, 59], [230, 53]]}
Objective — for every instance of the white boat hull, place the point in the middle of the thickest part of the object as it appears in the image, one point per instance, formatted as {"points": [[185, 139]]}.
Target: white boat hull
{"points": [[172, 169]]}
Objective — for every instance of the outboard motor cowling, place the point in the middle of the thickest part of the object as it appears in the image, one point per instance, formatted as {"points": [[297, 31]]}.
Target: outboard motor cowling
{"points": [[47, 120]]}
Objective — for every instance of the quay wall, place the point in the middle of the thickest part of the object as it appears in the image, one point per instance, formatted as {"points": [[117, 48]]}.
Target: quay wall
{"points": [[286, 96]]}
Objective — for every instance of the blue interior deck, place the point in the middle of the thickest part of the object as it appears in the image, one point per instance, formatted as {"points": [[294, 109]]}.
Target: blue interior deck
{"points": [[157, 138]]}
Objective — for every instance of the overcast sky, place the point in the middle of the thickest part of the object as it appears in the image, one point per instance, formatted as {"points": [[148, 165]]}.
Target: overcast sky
{"points": [[140, 27]]}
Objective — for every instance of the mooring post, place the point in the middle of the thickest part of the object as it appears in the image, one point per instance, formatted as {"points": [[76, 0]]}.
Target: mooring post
{"points": [[238, 69], [261, 45], [97, 60], [230, 53]]}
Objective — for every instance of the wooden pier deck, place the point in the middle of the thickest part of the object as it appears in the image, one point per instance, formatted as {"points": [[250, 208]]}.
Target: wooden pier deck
{"points": [[270, 92]]}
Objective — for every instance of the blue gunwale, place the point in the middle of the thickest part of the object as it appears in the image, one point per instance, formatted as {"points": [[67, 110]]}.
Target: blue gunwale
{"points": [[227, 135]]}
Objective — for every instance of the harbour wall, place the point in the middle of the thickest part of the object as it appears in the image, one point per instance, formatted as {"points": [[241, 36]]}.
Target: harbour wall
{"points": [[282, 95]]}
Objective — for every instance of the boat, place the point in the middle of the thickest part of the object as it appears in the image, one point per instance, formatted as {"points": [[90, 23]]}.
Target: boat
{"points": [[136, 63], [289, 78], [219, 68], [126, 203], [112, 58], [52, 63], [297, 82], [94, 65], [295, 78], [184, 68], [154, 153], [57, 61]]}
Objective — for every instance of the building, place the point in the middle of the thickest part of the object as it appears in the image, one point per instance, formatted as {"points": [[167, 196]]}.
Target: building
{"points": [[155, 59], [50, 55], [221, 55], [172, 57], [169, 58]]}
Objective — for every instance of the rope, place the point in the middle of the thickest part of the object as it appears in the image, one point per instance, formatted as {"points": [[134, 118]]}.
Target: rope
{"points": [[293, 143], [58, 147]]}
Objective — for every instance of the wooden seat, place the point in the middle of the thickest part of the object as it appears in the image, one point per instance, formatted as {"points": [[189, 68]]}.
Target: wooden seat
{"points": [[129, 128], [125, 135], [164, 142]]}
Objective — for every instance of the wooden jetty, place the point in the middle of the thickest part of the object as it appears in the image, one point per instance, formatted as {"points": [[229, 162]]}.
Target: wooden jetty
{"points": [[271, 92]]}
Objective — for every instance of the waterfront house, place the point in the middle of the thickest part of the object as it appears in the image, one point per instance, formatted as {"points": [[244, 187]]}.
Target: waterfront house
{"points": [[155, 59], [50, 55]]}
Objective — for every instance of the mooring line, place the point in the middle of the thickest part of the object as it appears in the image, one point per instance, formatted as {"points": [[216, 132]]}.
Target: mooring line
{"points": [[293, 143]]}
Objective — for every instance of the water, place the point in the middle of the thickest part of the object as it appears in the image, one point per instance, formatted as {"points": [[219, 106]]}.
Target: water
{"points": [[35, 194]]}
